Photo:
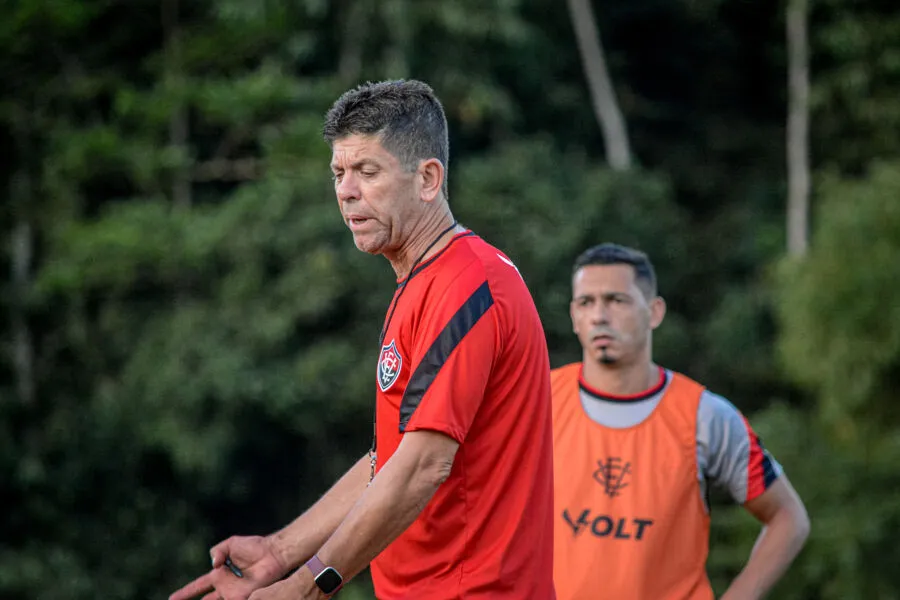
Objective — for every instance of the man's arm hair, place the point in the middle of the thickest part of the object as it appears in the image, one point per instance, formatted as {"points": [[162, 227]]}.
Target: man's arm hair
{"points": [[400, 491], [294, 544], [785, 529]]}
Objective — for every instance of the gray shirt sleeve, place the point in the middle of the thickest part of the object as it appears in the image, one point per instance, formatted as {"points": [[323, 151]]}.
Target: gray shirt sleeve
{"points": [[729, 453]]}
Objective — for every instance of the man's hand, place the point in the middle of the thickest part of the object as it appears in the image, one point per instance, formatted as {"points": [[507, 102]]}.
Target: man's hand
{"points": [[299, 586], [256, 561]]}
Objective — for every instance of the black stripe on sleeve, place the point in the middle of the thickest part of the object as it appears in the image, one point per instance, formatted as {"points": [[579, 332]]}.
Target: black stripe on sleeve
{"points": [[769, 474], [456, 329]]}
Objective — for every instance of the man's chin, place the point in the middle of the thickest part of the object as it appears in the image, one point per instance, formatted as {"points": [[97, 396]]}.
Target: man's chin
{"points": [[368, 245], [607, 358]]}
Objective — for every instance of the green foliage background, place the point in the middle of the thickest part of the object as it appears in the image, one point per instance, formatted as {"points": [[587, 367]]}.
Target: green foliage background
{"points": [[188, 332]]}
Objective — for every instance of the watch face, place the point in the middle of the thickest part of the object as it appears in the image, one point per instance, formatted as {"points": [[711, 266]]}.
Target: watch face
{"points": [[329, 580]]}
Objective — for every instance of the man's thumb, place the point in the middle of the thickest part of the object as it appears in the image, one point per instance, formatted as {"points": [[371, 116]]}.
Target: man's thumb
{"points": [[218, 554]]}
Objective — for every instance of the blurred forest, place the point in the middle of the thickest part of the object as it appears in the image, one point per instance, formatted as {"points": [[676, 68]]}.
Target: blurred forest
{"points": [[188, 335]]}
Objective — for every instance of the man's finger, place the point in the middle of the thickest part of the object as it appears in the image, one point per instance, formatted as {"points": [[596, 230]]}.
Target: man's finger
{"points": [[219, 553], [201, 585], [212, 596]]}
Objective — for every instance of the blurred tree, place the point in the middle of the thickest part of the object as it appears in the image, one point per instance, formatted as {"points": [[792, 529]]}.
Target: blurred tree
{"points": [[840, 308], [798, 127], [851, 495], [187, 326], [603, 96], [856, 66], [839, 314], [547, 207]]}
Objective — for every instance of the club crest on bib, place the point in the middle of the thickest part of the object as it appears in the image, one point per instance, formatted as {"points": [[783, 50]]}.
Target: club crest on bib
{"points": [[389, 364]]}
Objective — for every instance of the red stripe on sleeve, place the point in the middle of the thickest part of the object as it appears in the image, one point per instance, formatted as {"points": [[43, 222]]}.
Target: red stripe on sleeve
{"points": [[756, 479]]}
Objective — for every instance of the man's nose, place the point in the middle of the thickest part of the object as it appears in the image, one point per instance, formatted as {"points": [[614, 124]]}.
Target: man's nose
{"points": [[347, 188], [600, 314]]}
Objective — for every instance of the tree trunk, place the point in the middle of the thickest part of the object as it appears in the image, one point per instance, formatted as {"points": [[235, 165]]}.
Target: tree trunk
{"points": [[353, 37], [21, 251], [603, 98], [798, 128], [396, 15], [178, 122]]}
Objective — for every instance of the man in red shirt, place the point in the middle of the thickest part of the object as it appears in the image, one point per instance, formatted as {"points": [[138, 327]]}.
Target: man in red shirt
{"points": [[455, 500]]}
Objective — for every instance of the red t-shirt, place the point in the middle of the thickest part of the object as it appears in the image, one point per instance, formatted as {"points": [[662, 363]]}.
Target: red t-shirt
{"points": [[464, 354]]}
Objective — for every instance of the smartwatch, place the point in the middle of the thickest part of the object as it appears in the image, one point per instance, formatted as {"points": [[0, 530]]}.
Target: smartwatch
{"points": [[327, 578]]}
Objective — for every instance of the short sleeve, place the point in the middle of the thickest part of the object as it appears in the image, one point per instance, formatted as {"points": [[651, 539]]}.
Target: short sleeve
{"points": [[735, 458], [453, 355]]}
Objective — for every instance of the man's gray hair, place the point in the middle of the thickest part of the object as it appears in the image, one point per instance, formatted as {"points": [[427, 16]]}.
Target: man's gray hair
{"points": [[405, 115]]}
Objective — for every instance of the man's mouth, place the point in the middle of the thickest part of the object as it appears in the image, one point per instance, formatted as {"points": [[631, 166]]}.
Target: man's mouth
{"points": [[356, 222]]}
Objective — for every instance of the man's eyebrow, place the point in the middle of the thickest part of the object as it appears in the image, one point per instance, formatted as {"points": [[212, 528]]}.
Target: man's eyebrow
{"points": [[365, 162], [611, 294], [358, 164], [618, 295]]}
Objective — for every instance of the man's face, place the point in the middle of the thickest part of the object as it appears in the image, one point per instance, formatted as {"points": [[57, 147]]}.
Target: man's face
{"points": [[611, 316], [376, 195]]}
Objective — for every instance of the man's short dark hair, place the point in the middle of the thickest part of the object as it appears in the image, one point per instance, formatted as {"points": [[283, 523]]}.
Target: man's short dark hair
{"points": [[405, 114], [614, 254]]}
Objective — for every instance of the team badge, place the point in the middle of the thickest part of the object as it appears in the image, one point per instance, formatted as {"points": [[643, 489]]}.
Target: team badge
{"points": [[613, 475], [389, 364]]}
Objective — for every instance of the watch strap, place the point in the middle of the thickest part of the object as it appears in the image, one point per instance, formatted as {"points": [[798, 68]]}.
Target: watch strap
{"points": [[327, 578], [315, 565]]}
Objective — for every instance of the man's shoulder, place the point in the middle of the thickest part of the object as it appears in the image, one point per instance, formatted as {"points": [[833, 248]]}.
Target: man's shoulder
{"points": [[474, 263], [711, 402], [686, 379], [565, 373], [715, 408], [477, 253], [713, 411], [456, 269], [459, 260]]}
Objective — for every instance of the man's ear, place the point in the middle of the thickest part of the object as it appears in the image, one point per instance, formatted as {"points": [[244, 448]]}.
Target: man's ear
{"points": [[657, 312], [431, 179]]}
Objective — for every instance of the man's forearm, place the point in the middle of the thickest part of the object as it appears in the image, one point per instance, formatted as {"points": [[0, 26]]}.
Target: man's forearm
{"points": [[295, 543], [387, 507], [777, 546]]}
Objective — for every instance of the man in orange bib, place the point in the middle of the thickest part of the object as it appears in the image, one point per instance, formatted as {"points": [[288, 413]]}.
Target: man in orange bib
{"points": [[636, 447]]}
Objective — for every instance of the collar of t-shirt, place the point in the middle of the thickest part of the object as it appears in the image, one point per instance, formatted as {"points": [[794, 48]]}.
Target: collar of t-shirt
{"points": [[621, 412]]}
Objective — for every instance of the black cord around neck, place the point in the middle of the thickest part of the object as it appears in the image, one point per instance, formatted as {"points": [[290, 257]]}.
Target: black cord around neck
{"points": [[412, 270], [387, 323]]}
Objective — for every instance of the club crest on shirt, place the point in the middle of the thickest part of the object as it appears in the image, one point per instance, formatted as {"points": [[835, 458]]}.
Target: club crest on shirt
{"points": [[613, 474], [389, 364]]}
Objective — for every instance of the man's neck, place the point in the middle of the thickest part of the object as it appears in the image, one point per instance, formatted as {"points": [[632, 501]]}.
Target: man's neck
{"points": [[432, 235], [621, 380]]}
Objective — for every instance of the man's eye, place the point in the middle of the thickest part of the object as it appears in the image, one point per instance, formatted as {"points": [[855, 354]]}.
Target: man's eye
{"points": [[368, 173]]}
